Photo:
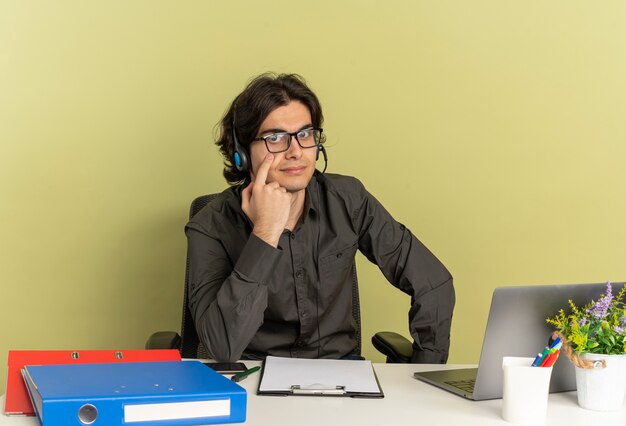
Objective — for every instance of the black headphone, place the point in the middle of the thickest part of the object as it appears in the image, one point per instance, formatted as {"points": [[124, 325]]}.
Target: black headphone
{"points": [[319, 148], [240, 155]]}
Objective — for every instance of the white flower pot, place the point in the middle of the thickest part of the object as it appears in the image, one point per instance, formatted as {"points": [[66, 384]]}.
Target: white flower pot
{"points": [[602, 389]]}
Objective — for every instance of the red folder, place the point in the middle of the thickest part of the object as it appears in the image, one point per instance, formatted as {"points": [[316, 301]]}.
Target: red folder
{"points": [[17, 402]]}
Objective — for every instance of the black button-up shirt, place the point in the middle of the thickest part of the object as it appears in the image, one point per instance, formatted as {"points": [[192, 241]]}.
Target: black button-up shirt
{"points": [[250, 299]]}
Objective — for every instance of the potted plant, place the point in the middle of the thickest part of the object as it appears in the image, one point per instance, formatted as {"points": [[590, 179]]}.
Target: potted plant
{"points": [[595, 341]]}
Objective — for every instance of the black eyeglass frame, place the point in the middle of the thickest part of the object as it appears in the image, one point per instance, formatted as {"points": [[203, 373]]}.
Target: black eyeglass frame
{"points": [[291, 136]]}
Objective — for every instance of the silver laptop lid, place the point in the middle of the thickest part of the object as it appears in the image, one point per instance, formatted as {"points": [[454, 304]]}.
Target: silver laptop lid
{"points": [[517, 327]]}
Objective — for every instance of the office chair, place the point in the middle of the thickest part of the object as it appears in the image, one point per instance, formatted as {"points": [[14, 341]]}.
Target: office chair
{"points": [[395, 347]]}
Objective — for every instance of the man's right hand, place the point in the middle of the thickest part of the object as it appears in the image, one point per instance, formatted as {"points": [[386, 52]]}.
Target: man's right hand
{"points": [[266, 204]]}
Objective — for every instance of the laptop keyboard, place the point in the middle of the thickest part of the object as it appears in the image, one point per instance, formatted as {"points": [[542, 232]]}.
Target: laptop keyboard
{"points": [[464, 385]]}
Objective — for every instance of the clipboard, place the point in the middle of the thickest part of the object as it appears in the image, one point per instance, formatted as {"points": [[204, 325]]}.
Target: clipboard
{"points": [[319, 377]]}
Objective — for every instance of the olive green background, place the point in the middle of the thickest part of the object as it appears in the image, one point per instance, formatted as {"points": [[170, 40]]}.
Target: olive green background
{"points": [[493, 129]]}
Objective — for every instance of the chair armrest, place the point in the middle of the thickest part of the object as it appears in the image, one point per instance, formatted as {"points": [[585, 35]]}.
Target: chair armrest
{"points": [[395, 347], [163, 340]]}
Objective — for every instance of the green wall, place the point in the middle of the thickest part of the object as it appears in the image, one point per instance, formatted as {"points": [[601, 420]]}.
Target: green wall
{"points": [[493, 129]]}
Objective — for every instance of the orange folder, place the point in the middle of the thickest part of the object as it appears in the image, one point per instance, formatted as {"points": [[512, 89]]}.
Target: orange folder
{"points": [[17, 402]]}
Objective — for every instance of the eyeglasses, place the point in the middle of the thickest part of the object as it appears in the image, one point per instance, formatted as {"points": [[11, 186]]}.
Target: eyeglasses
{"points": [[279, 142]]}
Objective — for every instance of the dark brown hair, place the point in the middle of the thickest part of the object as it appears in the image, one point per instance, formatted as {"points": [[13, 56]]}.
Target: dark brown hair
{"points": [[263, 95]]}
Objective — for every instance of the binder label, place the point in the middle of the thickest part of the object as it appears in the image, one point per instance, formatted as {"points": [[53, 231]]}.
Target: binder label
{"points": [[176, 410]]}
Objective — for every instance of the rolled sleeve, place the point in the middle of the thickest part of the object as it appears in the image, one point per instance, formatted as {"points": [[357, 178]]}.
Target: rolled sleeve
{"points": [[430, 320]]}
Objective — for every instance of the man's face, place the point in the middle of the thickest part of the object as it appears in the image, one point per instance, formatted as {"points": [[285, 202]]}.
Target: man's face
{"points": [[292, 169]]}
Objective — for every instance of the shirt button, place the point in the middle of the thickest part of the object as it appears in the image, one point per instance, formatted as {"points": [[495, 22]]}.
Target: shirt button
{"points": [[339, 255], [299, 274], [293, 236]]}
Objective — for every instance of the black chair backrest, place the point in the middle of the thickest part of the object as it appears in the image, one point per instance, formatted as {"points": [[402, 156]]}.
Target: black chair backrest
{"points": [[191, 347]]}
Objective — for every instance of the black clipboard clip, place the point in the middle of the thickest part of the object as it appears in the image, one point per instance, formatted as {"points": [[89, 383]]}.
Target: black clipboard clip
{"points": [[318, 390]]}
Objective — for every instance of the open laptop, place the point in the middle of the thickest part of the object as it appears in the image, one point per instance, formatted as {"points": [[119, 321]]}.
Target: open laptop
{"points": [[517, 327]]}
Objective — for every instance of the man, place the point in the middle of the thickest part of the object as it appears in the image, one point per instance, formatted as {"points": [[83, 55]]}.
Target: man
{"points": [[271, 258]]}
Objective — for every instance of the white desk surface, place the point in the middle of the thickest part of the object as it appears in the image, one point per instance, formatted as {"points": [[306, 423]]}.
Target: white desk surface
{"points": [[407, 401]]}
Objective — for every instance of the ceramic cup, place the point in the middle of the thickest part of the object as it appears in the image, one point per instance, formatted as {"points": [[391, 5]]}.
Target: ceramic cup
{"points": [[524, 391]]}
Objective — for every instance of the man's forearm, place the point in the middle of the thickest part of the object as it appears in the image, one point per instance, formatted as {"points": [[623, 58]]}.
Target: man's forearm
{"points": [[430, 323], [228, 304], [227, 325]]}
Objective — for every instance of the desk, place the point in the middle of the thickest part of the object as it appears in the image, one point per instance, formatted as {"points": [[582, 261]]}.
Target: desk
{"points": [[407, 401]]}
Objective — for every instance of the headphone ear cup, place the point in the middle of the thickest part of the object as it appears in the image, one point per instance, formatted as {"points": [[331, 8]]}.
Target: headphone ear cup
{"points": [[240, 158]]}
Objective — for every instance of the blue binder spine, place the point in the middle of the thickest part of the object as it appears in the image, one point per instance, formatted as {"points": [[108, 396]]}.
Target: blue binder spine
{"points": [[150, 394], [143, 412]]}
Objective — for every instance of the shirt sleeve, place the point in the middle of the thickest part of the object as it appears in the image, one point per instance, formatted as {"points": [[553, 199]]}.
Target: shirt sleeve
{"points": [[226, 302], [411, 267]]}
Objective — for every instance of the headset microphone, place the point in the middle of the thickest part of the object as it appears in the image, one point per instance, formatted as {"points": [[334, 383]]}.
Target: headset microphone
{"points": [[317, 156]]}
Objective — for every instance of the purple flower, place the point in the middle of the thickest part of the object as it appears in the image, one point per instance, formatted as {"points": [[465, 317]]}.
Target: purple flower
{"points": [[622, 321], [582, 321], [618, 330], [601, 307]]}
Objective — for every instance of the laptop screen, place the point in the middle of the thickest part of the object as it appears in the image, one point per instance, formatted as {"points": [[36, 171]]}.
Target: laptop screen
{"points": [[517, 327]]}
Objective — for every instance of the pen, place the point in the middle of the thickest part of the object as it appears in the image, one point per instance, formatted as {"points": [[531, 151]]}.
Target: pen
{"points": [[551, 363], [548, 356], [537, 361], [546, 360], [551, 359], [240, 376], [555, 342], [544, 354]]}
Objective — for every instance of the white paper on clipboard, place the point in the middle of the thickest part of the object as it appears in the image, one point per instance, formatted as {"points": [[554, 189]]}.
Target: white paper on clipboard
{"points": [[356, 377]]}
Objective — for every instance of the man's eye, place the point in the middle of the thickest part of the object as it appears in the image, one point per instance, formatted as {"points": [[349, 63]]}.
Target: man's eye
{"points": [[303, 134], [273, 138]]}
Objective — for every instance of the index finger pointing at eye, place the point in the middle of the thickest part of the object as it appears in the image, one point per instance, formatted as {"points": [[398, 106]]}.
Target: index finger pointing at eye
{"points": [[264, 168]]}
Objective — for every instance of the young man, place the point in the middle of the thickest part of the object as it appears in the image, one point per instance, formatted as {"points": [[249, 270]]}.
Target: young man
{"points": [[271, 258]]}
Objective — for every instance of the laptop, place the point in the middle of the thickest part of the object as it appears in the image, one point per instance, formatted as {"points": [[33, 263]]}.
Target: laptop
{"points": [[517, 327]]}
